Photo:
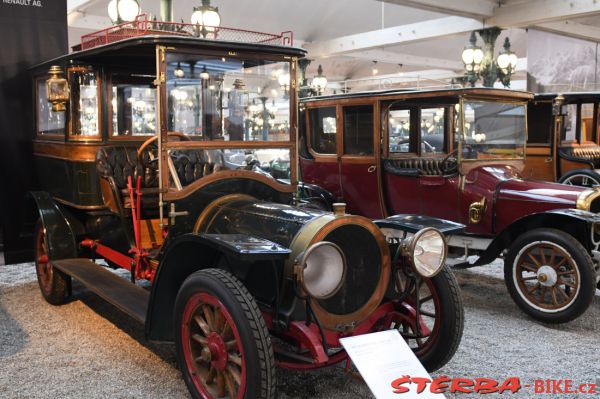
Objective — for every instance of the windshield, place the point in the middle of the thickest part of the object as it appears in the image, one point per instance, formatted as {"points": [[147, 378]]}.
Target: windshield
{"points": [[229, 99], [493, 130]]}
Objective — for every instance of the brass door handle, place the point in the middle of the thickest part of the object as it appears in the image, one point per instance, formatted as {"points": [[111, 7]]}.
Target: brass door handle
{"points": [[371, 168], [548, 160]]}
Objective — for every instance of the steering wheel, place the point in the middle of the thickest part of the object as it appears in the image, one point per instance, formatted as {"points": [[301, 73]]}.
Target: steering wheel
{"points": [[152, 139], [448, 164]]}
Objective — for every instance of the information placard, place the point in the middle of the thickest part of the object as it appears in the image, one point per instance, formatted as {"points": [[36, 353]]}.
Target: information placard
{"points": [[384, 357]]}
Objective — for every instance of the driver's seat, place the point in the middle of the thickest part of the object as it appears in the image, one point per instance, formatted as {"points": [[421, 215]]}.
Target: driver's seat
{"points": [[115, 164]]}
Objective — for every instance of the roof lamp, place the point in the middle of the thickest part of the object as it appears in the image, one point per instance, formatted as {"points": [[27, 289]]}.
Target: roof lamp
{"points": [[120, 11], [206, 18]]}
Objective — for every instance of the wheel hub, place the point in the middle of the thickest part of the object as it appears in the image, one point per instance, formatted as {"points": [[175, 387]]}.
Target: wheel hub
{"points": [[547, 276], [218, 351]]}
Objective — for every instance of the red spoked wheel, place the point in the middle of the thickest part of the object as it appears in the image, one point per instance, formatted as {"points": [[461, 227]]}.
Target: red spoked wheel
{"points": [[429, 315], [223, 346], [54, 284], [212, 348]]}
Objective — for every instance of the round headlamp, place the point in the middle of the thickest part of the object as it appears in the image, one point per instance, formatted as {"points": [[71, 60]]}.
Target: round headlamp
{"points": [[322, 268], [427, 250]]}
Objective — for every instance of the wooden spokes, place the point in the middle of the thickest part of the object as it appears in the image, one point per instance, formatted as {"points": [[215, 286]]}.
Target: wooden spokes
{"points": [[218, 360], [547, 276]]}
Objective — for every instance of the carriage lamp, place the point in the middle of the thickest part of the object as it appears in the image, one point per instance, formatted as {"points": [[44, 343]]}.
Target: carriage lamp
{"points": [[319, 82], [58, 89], [206, 18], [120, 11], [321, 269], [427, 250]]}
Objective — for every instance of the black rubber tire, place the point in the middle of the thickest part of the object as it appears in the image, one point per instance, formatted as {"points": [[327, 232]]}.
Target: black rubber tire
{"points": [[256, 340], [582, 260], [451, 322], [590, 174], [60, 286]]}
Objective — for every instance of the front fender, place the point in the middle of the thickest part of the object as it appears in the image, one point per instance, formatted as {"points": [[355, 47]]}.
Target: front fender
{"points": [[575, 222], [414, 223], [61, 227]]}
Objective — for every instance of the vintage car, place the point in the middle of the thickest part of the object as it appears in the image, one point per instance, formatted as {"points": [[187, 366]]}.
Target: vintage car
{"points": [[459, 154], [563, 143], [152, 162]]}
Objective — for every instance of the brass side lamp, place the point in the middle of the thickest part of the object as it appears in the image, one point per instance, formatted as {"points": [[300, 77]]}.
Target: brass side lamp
{"points": [[58, 89]]}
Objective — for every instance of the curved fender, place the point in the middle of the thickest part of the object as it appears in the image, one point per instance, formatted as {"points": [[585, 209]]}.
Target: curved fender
{"points": [[575, 222], [61, 226], [313, 191], [185, 255]]}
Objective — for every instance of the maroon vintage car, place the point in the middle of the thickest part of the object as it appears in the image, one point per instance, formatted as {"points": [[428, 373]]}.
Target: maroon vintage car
{"points": [[458, 154]]}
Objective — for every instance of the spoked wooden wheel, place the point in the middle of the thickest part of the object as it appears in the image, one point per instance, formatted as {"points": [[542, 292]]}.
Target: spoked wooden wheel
{"points": [[550, 275], [429, 316], [547, 276], [223, 345], [53, 283], [212, 348]]}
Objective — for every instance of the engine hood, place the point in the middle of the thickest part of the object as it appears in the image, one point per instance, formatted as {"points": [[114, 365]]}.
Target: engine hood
{"points": [[517, 189]]}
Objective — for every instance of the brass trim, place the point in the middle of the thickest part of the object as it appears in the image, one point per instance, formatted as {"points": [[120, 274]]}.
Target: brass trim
{"points": [[586, 197], [476, 210]]}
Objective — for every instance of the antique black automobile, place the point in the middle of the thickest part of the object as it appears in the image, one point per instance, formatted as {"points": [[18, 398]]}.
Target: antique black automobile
{"points": [[152, 162]]}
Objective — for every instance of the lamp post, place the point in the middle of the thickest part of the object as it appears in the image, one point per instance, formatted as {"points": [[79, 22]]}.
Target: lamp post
{"points": [[120, 11], [481, 63], [207, 19]]}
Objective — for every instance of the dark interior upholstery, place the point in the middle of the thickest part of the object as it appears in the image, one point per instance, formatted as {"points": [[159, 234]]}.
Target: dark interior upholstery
{"points": [[589, 155], [117, 163], [415, 166]]}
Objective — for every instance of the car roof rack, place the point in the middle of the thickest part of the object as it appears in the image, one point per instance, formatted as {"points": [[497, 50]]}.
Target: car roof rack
{"points": [[143, 26]]}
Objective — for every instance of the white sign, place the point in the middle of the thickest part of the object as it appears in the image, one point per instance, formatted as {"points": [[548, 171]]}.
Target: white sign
{"points": [[384, 357]]}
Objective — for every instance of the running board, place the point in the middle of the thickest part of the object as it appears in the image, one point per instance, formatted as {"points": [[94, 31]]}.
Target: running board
{"points": [[126, 296]]}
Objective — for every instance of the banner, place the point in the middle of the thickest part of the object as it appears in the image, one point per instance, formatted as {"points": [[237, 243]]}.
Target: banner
{"points": [[32, 31]]}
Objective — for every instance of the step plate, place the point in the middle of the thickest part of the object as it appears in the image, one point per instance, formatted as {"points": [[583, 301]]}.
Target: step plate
{"points": [[121, 293]]}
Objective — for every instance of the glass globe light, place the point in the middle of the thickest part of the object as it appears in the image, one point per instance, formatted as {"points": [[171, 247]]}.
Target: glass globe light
{"points": [[206, 16], [123, 10]]}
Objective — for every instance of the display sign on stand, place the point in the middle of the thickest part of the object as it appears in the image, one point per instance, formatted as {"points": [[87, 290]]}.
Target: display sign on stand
{"points": [[383, 358]]}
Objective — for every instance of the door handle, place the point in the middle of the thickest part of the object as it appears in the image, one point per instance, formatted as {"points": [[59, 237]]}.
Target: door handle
{"points": [[548, 160], [371, 168]]}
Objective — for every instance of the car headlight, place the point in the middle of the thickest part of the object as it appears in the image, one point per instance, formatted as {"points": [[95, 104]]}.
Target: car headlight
{"points": [[427, 251], [321, 269]]}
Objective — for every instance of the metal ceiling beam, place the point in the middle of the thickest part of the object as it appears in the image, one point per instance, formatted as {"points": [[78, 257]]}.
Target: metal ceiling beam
{"points": [[471, 8], [391, 57], [541, 11], [573, 29], [433, 28]]}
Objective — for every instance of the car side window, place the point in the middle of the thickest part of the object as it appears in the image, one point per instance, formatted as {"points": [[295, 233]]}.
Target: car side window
{"points": [[588, 133], [323, 130], [358, 130], [399, 131], [570, 129], [433, 127]]}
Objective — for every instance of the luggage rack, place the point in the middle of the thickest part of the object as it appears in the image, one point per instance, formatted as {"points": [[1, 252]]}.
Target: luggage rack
{"points": [[142, 26]]}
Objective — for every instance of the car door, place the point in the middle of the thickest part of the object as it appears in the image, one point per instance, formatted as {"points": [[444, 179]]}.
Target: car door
{"points": [[359, 149]]}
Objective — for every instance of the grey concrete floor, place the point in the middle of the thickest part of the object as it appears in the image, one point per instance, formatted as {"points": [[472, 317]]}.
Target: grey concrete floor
{"points": [[88, 349]]}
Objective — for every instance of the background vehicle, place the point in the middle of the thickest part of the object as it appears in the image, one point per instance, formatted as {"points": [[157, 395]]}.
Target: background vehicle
{"points": [[150, 163], [459, 154], [562, 144]]}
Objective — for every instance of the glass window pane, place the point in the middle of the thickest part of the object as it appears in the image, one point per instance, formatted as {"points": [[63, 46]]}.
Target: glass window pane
{"points": [[570, 131], [133, 110], [323, 129], [587, 123], [358, 130], [219, 98], [432, 130], [49, 122], [399, 130], [84, 103], [493, 130]]}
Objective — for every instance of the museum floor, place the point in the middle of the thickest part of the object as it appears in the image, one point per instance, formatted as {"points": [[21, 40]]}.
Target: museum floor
{"points": [[87, 348]]}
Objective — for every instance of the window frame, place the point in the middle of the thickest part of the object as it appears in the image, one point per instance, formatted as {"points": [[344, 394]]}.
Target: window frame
{"points": [[309, 132], [341, 133], [98, 135], [38, 133]]}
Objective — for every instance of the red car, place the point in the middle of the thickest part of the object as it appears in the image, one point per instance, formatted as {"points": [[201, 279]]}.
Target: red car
{"points": [[458, 154]]}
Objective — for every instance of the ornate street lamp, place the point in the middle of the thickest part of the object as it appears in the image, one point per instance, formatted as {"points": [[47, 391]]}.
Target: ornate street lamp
{"points": [[319, 82], [207, 19], [481, 63], [120, 11], [284, 81]]}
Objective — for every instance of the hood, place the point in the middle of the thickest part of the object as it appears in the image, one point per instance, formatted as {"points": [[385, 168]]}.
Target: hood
{"points": [[518, 189]]}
